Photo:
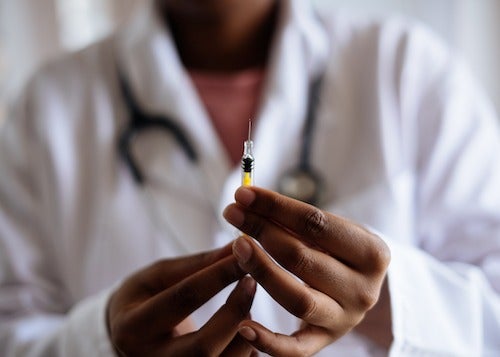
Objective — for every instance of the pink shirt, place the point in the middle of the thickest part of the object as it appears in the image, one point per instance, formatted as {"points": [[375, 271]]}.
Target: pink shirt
{"points": [[231, 99]]}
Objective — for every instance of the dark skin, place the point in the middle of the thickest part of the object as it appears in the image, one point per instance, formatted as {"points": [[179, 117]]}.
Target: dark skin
{"points": [[148, 314], [342, 265], [223, 35]]}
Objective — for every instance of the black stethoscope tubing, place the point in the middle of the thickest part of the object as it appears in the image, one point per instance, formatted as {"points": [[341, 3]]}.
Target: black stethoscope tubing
{"points": [[304, 172], [140, 121]]}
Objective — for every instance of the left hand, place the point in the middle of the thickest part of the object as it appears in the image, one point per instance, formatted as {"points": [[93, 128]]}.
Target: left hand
{"points": [[342, 265]]}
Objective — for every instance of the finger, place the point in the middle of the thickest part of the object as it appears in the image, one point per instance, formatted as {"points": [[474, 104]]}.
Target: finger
{"points": [[223, 326], [239, 347], [319, 270], [219, 332], [331, 233], [300, 300], [349, 288], [168, 272], [305, 342], [168, 308]]}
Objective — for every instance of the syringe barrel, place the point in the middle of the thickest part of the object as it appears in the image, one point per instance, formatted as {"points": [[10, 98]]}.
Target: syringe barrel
{"points": [[247, 164]]}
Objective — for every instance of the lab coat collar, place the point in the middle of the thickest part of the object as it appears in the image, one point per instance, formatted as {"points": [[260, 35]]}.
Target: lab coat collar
{"points": [[147, 55]]}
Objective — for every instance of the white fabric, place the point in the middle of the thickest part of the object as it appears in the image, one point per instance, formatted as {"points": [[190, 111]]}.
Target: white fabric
{"points": [[405, 140]]}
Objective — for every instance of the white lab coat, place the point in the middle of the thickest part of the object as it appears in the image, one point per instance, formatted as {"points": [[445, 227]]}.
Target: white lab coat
{"points": [[405, 140]]}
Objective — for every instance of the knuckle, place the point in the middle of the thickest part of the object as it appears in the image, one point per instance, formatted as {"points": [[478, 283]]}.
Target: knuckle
{"points": [[266, 346], [156, 271], [185, 295], [300, 350], [366, 299], [155, 277], [315, 221], [305, 307], [254, 226], [299, 259], [273, 204], [378, 257]]}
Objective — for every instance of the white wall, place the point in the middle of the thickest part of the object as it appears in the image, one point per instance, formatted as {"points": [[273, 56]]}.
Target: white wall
{"points": [[21, 49], [477, 37], [470, 27], [33, 30]]}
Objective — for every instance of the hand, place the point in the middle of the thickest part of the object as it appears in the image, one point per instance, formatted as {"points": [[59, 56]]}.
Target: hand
{"points": [[147, 314], [342, 265], [377, 323]]}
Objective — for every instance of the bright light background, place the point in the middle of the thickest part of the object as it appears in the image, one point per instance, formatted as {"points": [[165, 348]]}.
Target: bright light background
{"points": [[31, 31], [471, 28]]}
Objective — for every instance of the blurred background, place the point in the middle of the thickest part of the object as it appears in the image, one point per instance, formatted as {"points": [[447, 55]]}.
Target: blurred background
{"points": [[33, 31]]}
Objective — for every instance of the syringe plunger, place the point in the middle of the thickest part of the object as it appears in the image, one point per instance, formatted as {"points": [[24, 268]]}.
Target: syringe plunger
{"points": [[247, 161]]}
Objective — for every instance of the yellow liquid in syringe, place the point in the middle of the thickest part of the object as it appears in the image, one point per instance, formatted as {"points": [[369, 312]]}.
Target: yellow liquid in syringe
{"points": [[247, 179]]}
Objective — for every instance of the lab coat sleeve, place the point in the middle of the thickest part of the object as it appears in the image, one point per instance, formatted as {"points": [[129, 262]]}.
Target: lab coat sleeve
{"points": [[36, 315], [445, 290]]}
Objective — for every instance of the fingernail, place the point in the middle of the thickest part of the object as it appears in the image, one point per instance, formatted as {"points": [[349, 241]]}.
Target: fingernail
{"points": [[249, 285], [234, 215], [245, 196], [248, 333], [242, 250]]}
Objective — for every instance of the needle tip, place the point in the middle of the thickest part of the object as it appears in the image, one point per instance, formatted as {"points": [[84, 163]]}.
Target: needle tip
{"points": [[249, 129]]}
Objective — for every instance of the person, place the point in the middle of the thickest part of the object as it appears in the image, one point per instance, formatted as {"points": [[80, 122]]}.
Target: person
{"points": [[94, 262]]}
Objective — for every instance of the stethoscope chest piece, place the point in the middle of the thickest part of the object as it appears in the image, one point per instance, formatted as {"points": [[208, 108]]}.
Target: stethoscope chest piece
{"points": [[303, 184]]}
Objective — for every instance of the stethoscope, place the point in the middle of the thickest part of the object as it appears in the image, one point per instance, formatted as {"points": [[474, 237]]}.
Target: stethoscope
{"points": [[302, 182]]}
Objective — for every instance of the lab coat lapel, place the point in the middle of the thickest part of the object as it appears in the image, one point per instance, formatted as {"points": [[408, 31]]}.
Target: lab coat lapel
{"points": [[148, 57]]}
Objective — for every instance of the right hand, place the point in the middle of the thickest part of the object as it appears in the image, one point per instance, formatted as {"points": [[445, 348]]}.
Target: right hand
{"points": [[145, 315]]}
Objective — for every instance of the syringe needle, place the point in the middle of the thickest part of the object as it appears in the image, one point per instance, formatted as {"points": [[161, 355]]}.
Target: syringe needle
{"points": [[249, 129]]}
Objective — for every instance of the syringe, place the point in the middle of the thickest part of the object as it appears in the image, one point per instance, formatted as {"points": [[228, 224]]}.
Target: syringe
{"points": [[247, 161]]}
